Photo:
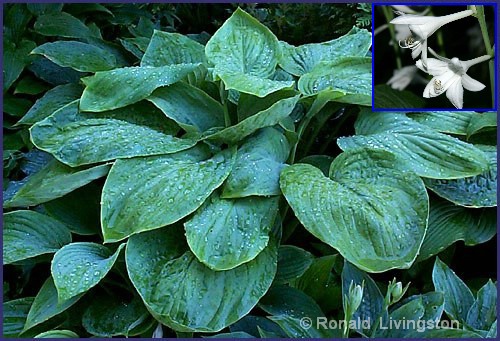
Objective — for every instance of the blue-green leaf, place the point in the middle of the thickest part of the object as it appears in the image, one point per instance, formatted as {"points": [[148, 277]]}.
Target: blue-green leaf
{"points": [[61, 24], [167, 48], [458, 298], [53, 181], [27, 234], [78, 138], [57, 334], [50, 102], [46, 305], [143, 194], [293, 262], [225, 233], [483, 311], [266, 118], [77, 55], [422, 150], [190, 107], [366, 201], [476, 191], [251, 84], [15, 58], [449, 223], [302, 59], [350, 77], [112, 315], [450, 122], [259, 162], [14, 316], [108, 90], [184, 294], [77, 267], [481, 122], [412, 311], [372, 306]]}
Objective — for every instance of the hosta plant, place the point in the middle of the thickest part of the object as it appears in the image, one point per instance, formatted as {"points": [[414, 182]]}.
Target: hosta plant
{"points": [[171, 195]]}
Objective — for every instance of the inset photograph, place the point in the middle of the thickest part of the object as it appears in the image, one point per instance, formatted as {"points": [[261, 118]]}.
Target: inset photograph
{"points": [[434, 57]]}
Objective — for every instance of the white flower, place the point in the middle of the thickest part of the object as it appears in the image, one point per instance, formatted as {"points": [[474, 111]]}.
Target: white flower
{"points": [[423, 27], [401, 78], [450, 76]]}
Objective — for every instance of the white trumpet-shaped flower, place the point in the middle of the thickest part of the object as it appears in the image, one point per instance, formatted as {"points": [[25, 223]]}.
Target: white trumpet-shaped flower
{"points": [[422, 28], [401, 78], [450, 76]]}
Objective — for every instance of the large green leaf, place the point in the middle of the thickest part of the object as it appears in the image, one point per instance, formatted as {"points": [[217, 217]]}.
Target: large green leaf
{"points": [[51, 101], [167, 48], [46, 305], [265, 118], [422, 150], [443, 333], [259, 162], [30, 85], [251, 84], [449, 223], [225, 233], [367, 201], [77, 138], [77, 55], [142, 194], [293, 262], [117, 88], [15, 58], [451, 122], [61, 24], [476, 191], [190, 107], [242, 45], [372, 307], [245, 54], [302, 59], [14, 316], [351, 77], [28, 234], [483, 311], [39, 9], [481, 122], [77, 267], [385, 97], [184, 294], [458, 298], [112, 315], [53, 181]]}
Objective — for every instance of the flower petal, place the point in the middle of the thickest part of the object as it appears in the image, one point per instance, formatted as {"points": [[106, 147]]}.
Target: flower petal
{"points": [[416, 51], [471, 84], [411, 19], [434, 67], [455, 94], [445, 80]]}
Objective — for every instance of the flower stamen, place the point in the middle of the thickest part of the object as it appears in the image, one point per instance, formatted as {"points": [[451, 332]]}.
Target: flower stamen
{"points": [[438, 87], [409, 43]]}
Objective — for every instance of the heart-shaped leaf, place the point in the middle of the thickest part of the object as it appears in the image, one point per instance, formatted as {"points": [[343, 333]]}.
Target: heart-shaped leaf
{"points": [[14, 316], [77, 267], [225, 233], [142, 194], [367, 201], [422, 150], [184, 294]]}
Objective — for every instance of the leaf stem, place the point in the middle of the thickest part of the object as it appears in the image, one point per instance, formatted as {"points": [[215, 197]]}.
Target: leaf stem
{"points": [[388, 17], [489, 50], [223, 99]]}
